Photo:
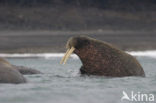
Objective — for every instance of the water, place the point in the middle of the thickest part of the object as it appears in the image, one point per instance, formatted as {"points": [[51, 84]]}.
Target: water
{"points": [[63, 83]]}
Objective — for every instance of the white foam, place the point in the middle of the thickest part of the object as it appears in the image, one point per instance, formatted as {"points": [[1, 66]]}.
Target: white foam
{"points": [[49, 55], [150, 53], [45, 55]]}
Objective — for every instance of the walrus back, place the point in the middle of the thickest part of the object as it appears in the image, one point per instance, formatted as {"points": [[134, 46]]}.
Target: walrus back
{"points": [[102, 58], [121, 63], [10, 75]]}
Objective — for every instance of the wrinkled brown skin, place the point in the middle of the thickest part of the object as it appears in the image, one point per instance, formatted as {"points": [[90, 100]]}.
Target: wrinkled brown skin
{"points": [[103, 59], [10, 75]]}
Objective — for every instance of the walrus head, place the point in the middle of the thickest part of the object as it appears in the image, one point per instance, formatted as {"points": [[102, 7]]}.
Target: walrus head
{"points": [[101, 58], [75, 44], [86, 48]]}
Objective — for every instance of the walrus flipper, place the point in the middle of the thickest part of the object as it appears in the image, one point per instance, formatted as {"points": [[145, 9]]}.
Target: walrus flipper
{"points": [[26, 71]]}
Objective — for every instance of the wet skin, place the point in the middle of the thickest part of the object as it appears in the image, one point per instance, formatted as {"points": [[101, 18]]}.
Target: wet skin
{"points": [[13, 74]]}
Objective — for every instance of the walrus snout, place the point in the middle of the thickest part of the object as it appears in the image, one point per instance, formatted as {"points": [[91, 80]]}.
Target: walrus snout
{"points": [[74, 43], [67, 54]]}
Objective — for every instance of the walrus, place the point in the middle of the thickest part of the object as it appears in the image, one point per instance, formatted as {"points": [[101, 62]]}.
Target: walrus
{"points": [[101, 58], [23, 70], [26, 71], [8, 74]]}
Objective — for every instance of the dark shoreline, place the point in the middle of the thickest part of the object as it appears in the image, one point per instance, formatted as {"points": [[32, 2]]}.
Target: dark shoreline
{"points": [[37, 26], [54, 41], [128, 15]]}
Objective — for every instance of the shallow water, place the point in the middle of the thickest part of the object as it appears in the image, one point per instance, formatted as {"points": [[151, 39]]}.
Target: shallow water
{"points": [[63, 83]]}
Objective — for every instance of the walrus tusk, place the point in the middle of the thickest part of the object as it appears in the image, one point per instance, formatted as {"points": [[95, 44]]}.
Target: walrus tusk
{"points": [[66, 56]]}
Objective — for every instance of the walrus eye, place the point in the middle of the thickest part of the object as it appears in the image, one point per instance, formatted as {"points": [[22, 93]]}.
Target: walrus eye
{"points": [[67, 54]]}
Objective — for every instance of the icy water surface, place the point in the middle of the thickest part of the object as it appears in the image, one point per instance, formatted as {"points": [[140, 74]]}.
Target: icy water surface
{"points": [[63, 83]]}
